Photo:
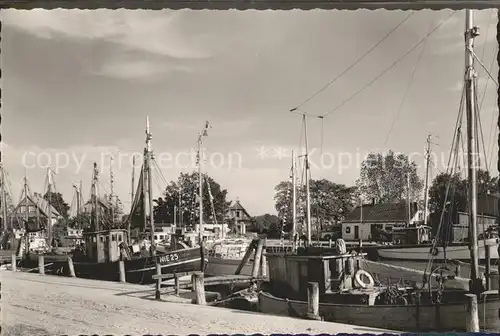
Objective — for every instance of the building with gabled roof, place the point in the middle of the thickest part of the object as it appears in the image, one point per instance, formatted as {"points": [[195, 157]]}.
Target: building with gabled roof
{"points": [[364, 221], [36, 207], [238, 215]]}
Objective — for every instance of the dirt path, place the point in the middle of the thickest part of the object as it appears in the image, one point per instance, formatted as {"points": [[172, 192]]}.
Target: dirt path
{"points": [[33, 304]]}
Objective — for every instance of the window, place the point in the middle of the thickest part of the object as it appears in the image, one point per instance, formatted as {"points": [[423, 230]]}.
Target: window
{"points": [[101, 238], [238, 214], [348, 229], [119, 237], [113, 237], [156, 237], [162, 236]]}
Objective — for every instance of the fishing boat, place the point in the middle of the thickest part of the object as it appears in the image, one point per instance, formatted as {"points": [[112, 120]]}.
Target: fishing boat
{"points": [[103, 248], [350, 294]]}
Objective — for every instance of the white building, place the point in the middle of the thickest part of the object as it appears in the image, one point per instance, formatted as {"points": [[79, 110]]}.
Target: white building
{"points": [[363, 221]]}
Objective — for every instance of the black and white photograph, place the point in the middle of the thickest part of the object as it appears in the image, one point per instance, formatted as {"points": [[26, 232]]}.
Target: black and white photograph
{"points": [[180, 171]]}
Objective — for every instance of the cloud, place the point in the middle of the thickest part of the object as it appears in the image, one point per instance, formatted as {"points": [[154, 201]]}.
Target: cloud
{"points": [[139, 70], [154, 32]]}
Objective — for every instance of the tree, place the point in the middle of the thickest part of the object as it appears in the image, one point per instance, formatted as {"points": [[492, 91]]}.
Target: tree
{"points": [[283, 198], [267, 223], [384, 178], [329, 201], [57, 201], [457, 198], [457, 195], [188, 187], [79, 221]]}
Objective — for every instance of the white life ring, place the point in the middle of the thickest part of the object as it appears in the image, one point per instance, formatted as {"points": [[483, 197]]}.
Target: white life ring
{"points": [[340, 246], [360, 282]]}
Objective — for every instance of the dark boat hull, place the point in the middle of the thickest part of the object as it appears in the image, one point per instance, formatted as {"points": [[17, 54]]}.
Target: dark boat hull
{"points": [[137, 270], [404, 318]]}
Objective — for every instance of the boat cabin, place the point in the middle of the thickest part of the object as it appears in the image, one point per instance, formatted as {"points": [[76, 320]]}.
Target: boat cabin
{"points": [[289, 276], [104, 246], [411, 235]]}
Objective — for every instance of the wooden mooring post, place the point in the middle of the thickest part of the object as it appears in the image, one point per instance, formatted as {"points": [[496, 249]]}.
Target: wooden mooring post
{"points": [[472, 316], [199, 285], [176, 284], [71, 268], [313, 301], [41, 265], [158, 282], [247, 255], [257, 258], [14, 262], [263, 264], [121, 269], [193, 283]]}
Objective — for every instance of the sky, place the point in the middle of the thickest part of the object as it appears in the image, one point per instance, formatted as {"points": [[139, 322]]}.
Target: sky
{"points": [[78, 85]]}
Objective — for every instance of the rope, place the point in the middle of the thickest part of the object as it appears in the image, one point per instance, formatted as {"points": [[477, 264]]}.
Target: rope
{"points": [[355, 63], [453, 155], [410, 82], [366, 86]]}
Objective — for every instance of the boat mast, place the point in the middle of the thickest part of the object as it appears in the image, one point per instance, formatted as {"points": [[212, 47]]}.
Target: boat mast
{"points": [[4, 199], [308, 196], [408, 197], [147, 168], [49, 207], [77, 191], [426, 188], [95, 202], [112, 192], [471, 32], [26, 214], [200, 177], [294, 199], [132, 197]]}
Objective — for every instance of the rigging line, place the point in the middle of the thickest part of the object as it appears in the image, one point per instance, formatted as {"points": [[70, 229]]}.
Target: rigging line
{"points": [[355, 63], [366, 86], [450, 168], [482, 65], [405, 95], [480, 124], [493, 115], [487, 33]]}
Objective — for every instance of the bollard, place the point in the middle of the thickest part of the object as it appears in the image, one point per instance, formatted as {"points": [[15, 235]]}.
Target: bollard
{"points": [[199, 284], [313, 301], [41, 265], [263, 264], [14, 262], [71, 268], [176, 282], [158, 281], [121, 267], [472, 317], [457, 270], [193, 283], [257, 257]]}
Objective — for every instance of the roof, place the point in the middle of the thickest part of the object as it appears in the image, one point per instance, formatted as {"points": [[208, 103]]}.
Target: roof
{"points": [[386, 212], [237, 206], [41, 203]]}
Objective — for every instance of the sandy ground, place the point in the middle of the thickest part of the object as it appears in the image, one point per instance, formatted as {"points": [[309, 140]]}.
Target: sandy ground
{"points": [[34, 304]]}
